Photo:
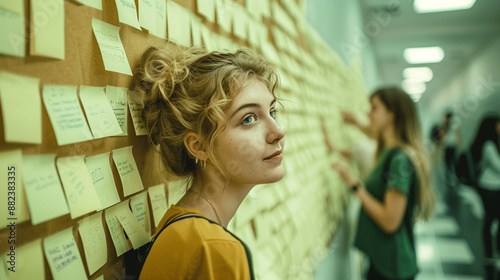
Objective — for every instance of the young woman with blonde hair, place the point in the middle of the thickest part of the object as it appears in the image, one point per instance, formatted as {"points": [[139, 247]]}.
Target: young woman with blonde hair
{"points": [[212, 118], [397, 192]]}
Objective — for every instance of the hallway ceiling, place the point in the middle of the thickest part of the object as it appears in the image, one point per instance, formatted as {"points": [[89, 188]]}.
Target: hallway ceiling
{"points": [[394, 25]]}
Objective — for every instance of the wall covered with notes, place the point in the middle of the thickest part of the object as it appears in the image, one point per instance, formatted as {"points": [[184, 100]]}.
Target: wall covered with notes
{"points": [[74, 161]]}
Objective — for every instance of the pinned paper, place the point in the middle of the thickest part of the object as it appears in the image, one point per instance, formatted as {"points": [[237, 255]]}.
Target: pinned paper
{"points": [[13, 30], [11, 184], [103, 180], [63, 256], [140, 209], [225, 11], [94, 242], [196, 31], [129, 174], [158, 202], [127, 13], [30, 262], [80, 193], [153, 17], [206, 34], [47, 36], [132, 227], [176, 190], [110, 44], [117, 97], [240, 25], [121, 243], [178, 24], [43, 188], [97, 4], [14, 6], [65, 114], [136, 105], [22, 119], [207, 8], [102, 119]]}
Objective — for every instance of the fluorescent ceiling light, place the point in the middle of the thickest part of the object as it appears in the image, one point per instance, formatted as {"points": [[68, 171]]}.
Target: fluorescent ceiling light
{"points": [[413, 88], [418, 74], [423, 55], [432, 6]]}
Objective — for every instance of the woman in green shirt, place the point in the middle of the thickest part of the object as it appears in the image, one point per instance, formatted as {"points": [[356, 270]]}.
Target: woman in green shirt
{"points": [[397, 192]]}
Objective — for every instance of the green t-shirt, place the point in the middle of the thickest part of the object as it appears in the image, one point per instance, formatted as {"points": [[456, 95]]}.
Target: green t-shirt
{"points": [[392, 255]]}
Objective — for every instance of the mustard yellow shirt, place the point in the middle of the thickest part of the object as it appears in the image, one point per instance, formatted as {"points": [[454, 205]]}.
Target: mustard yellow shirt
{"points": [[194, 248]]}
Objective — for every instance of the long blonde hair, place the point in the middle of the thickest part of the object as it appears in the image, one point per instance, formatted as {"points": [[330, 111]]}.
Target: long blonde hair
{"points": [[408, 135], [186, 90]]}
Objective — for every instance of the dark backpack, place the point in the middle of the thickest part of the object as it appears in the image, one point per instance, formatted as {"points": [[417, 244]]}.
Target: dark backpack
{"points": [[135, 259], [466, 169]]}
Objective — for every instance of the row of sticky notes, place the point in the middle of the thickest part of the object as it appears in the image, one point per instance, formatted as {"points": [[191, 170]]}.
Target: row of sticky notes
{"points": [[88, 183], [128, 226], [105, 108]]}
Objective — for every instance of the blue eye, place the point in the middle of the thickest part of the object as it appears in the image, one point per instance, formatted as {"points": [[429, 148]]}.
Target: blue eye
{"points": [[273, 113], [248, 120]]}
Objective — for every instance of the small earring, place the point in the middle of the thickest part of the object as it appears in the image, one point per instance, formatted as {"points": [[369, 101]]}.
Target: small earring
{"points": [[196, 161], [204, 163]]}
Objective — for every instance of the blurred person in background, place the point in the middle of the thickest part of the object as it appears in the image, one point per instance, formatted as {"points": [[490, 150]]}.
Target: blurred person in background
{"points": [[485, 151], [397, 192]]}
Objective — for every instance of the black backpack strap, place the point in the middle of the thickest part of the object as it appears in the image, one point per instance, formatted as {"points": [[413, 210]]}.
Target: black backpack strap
{"points": [[192, 215]]}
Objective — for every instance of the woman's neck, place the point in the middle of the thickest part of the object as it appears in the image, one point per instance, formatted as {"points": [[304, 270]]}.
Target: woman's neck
{"points": [[219, 199], [389, 137]]}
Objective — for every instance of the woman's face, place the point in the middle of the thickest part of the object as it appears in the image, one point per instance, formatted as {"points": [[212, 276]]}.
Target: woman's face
{"points": [[380, 117], [250, 148]]}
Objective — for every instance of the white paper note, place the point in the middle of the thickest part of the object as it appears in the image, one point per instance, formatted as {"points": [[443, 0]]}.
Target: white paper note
{"points": [[110, 44], [65, 114], [140, 209], [179, 30], [158, 202], [43, 188], [102, 177], [117, 97], [127, 168], [136, 105], [94, 241], [29, 262], [127, 12], [99, 112], [121, 243], [47, 18], [97, 4], [12, 32], [132, 227], [80, 192], [63, 256]]}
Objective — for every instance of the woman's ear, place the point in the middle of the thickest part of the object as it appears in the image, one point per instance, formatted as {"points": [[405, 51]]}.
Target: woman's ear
{"points": [[193, 144]]}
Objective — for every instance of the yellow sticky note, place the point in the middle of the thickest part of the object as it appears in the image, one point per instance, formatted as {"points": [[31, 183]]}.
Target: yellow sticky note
{"points": [[176, 190], [63, 256], [43, 188], [121, 243], [110, 44], [102, 119], [22, 119], [178, 24], [160, 29], [158, 202], [207, 8], [127, 12], [196, 31], [224, 12], [117, 97], [13, 208], [12, 32], [240, 26], [147, 14], [206, 34], [97, 4], [140, 209], [29, 262], [15, 6], [103, 180], [94, 242], [47, 36], [65, 114], [127, 168], [132, 227], [136, 105], [80, 192]]}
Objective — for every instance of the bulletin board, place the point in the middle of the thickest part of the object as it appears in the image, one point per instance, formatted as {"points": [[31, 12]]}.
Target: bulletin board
{"points": [[274, 220]]}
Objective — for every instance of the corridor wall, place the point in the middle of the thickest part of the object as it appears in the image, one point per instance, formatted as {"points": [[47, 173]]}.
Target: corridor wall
{"points": [[287, 225]]}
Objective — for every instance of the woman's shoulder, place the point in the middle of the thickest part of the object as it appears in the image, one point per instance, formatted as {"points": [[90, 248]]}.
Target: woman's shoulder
{"points": [[489, 147]]}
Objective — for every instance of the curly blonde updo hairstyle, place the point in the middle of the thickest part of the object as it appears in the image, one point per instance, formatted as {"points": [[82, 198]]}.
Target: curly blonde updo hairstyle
{"points": [[187, 90]]}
